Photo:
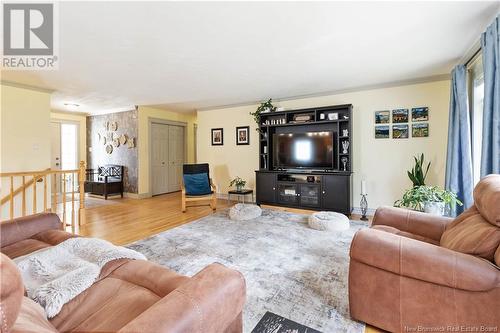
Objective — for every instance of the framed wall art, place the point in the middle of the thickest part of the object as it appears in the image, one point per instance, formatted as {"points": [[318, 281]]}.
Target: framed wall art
{"points": [[243, 135], [217, 136]]}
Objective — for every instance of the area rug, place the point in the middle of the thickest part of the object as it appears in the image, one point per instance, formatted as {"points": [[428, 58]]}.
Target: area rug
{"points": [[290, 270]]}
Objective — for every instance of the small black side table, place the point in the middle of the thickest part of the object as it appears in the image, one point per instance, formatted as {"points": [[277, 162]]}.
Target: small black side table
{"points": [[241, 193]]}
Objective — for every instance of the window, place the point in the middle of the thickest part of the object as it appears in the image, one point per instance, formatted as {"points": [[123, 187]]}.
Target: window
{"points": [[476, 97]]}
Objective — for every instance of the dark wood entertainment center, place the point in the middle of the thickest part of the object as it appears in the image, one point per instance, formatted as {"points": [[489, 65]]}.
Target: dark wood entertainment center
{"points": [[310, 188]]}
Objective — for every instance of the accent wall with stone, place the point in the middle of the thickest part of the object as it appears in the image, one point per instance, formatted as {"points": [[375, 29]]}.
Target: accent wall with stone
{"points": [[112, 139]]}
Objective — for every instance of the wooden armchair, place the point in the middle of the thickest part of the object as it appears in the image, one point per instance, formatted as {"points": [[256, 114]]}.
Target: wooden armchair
{"points": [[187, 194]]}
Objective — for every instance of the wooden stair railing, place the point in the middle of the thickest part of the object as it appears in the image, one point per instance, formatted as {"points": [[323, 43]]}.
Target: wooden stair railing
{"points": [[23, 187], [64, 176]]}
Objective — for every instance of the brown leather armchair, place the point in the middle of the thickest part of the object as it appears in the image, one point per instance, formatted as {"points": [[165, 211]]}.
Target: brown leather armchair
{"points": [[415, 272]]}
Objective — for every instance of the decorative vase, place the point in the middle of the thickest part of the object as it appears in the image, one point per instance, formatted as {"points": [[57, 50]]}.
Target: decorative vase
{"points": [[434, 207], [239, 188]]}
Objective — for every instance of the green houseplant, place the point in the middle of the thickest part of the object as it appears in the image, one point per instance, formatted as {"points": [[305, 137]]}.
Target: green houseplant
{"points": [[263, 107], [430, 199], [417, 174], [239, 183]]}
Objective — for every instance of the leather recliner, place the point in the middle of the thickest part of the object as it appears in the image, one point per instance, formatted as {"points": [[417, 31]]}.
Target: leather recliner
{"points": [[415, 272]]}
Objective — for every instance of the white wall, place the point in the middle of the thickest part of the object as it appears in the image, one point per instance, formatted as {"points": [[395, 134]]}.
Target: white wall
{"points": [[382, 162]]}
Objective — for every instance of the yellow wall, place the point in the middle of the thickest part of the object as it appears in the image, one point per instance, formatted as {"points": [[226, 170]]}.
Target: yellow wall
{"points": [[25, 137], [146, 113], [382, 162], [81, 119], [25, 129]]}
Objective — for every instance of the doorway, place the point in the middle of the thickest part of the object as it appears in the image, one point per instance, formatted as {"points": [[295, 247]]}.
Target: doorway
{"points": [[168, 145], [64, 151]]}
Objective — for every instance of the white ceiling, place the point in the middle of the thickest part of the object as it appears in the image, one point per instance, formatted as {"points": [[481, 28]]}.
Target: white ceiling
{"points": [[190, 55]]}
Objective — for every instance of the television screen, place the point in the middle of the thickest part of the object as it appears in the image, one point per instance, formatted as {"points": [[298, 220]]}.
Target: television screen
{"points": [[303, 150]]}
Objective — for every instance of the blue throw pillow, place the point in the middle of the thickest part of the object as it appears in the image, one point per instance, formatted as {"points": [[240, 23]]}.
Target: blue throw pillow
{"points": [[197, 184]]}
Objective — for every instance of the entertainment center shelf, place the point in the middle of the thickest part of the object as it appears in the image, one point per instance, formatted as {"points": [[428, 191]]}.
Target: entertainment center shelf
{"points": [[305, 158]]}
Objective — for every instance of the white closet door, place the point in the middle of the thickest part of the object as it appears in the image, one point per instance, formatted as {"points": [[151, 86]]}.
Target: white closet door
{"points": [[159, 158], [175, 157]]}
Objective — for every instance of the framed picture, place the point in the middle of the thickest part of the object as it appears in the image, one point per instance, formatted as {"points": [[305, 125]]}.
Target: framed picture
{"points": [[382, 132], [382, 117], [243, 135], [420, 114], [217, 136], [400, 116], [420, 130], [400, 131]]}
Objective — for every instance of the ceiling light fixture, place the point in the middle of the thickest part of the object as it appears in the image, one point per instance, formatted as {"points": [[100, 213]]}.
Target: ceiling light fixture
{"points": [[72, 105]]}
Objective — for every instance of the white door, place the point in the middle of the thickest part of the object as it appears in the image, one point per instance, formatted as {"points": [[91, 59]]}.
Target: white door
{"points": [[159, 158], [175, 157], [55, 152], [64, 152]]}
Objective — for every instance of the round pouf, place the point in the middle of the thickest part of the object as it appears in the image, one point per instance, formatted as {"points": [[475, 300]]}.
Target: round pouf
{"points": [[328, 221], [241, 212]]}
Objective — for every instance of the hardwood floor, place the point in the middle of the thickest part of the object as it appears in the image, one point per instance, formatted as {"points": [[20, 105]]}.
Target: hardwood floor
{"points": [[122, 221]]}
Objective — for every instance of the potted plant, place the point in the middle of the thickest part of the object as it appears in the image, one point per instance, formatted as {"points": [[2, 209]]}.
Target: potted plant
{"points": [[429, 199], [417, 174], [239, 183], [263, 107]]}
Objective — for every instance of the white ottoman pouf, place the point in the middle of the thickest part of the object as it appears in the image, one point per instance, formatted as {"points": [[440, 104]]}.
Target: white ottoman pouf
{"points": [[329, 221], [241, 212]]}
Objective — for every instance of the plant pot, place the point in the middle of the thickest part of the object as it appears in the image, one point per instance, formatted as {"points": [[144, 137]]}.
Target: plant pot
{"points": [[435, 207]]}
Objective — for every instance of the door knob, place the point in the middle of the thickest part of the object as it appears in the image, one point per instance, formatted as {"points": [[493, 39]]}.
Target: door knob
{"points": [[57, 164]]}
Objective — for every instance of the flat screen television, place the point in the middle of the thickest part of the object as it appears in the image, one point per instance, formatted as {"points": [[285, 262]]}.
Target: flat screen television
{"points": [[303, 150]]}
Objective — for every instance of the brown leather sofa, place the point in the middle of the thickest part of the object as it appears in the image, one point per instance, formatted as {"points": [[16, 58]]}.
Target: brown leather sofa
{"points": [[415, 272], [129, 296]]}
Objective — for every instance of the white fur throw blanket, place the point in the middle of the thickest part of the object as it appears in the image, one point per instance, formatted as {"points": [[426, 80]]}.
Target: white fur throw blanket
{"points": [[54, 276]]}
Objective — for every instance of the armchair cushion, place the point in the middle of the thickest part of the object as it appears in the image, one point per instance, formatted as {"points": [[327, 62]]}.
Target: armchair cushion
{"points": [[197, 184], [487, 198], [423, 261], [470, 233]]}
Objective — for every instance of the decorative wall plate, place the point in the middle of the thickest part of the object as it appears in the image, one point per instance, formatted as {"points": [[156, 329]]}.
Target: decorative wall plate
{"points": [[113, 126], [103, 140], [109, 149], [123, 139], [131, 143], [116, 142]]}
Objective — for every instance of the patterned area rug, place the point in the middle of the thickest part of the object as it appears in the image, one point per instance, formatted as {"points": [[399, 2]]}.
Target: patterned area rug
{"points": [[291, 270]]}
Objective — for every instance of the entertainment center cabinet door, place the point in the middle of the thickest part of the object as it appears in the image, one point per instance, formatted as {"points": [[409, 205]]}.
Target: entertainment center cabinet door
{"points": [[266, 187], [336, 194]]}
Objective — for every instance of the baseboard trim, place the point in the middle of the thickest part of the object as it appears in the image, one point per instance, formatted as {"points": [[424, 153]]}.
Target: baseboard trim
{"points": [[355, 210]]}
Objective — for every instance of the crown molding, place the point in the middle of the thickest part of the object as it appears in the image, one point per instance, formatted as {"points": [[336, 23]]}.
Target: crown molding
{"points": [[70, 113], [427, 79], [26, 86]]}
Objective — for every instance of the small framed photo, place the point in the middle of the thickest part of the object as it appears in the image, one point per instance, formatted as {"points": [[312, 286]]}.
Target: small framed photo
{"points": [[217, 136], [400, 131], [243, 135], [400, 116], [382, 117], [420, 130], [382, 132], [420, 114]]}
